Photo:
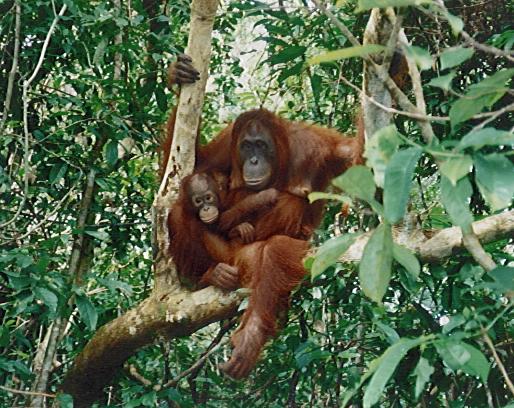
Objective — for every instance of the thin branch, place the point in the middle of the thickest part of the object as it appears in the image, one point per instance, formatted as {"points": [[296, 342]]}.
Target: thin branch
{"points": [[494, 115], [486, 48], [132, 371], [26, 85], [473, 245], [14, 67], [506, 377], [348, 34], [14, 391], [173, 383]]}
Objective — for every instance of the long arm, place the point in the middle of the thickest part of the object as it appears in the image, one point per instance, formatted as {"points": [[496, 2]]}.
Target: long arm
{"points": [[245, 207]]}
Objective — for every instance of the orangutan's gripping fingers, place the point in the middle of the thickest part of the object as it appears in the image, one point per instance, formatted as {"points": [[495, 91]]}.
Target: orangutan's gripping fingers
{"points": [[225, 277]]}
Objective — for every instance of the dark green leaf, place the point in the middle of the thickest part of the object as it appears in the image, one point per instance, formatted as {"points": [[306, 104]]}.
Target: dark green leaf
{"points": [[456, 167], [375, 266], [493, 84], [504, 277], [287, 54], [454, 56], [462, 356], [407, 259], [466, 107], [48, 297], [316, 86], [495, 179], [329, 253], [294, 70], [111, 152], [391, 334], [57, 172], [160, 97], [456, 201], [387, 364], [397, 182], [87, 311], [486, 137], [423, 372]]}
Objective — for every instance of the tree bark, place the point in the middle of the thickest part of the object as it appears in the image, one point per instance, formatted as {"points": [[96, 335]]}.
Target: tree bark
{"points": [[182, 155]]}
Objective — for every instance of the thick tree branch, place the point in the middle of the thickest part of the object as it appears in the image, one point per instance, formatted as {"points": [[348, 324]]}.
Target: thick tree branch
{"points": [[158, 317], [182, 155], [444, 243]]}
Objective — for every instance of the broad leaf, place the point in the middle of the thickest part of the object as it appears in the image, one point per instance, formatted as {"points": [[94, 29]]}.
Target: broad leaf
{"points": [[330, 251], [87, 311], [456, 167], [397, 182], [456, 201], [375, 266], [495, 179], [407, 259], [462, 356], [503, 277], [357, 182], [57, 172], [454, 56], [287, 54], [423, 372], [486, 137], [343, 53], [48, 297], [379, 150], [444, 81], [466, 107], [387, 364], [420, 56], [111, 152]]}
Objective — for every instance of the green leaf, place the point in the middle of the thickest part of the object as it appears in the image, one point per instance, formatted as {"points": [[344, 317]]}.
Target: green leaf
{"points": [[357, 182], [486, 137], [48, 297], [443, 82], [316, 86], [57, 173], [387, 364], [328, 253], [111, 152], [397, 182], [451, 57], [391, 334], [455, 22], [466, 107], [364, 5], [99, 52], [455, 321], [407, 259], [287, 54], [375, 266], [329, 196], [286, 73], [379, 150], [420, 56], [462, 356], [456, 167], [343, 53], [492, 85], [87, 311], [504, 277], [160, 97], [101, 235], [456, 201], [65, 400], [423, 372], [495, 179], [308, 352]]}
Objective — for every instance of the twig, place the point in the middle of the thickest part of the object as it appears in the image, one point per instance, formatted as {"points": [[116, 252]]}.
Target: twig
{"points": [[173, 383], [14, 67], [132, 370], [337, 23], [495, 114], [490, 344], [486, 48], [26, 85], [14, 391], [473, 245]]}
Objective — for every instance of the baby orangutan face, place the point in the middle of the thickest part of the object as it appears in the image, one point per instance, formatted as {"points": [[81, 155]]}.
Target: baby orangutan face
{"points": [[203, 194]]}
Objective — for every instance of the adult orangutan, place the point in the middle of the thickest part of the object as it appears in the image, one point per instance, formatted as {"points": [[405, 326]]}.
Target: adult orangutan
{"points": [[270, 268], [261, 151]]}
